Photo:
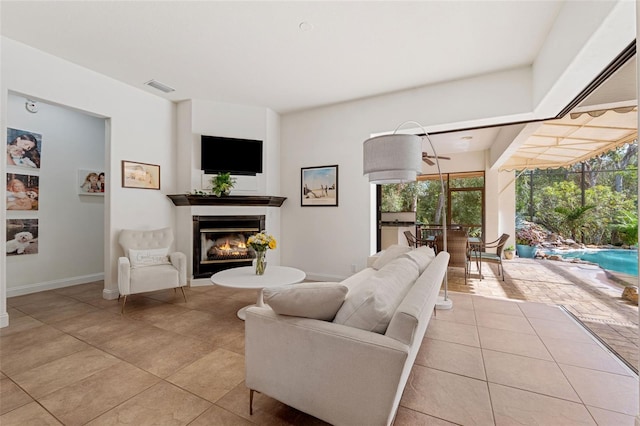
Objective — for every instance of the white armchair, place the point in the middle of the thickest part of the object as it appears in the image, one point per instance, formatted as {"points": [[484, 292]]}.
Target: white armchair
{"points": [[147, 264]]}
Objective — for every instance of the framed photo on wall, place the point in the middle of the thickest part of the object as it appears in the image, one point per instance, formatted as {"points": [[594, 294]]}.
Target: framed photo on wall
{"points": [[91, 182], [23, 148], [22, 236], [23, 191], [319, 186], [140, 175]]}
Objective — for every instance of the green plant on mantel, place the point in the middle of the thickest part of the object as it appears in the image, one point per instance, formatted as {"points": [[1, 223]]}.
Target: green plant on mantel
{"points": [[221, 184]]}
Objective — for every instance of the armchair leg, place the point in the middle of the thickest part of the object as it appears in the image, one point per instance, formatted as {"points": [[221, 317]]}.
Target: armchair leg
{"points": [[183, 295], [251, 391], [124, 301]]}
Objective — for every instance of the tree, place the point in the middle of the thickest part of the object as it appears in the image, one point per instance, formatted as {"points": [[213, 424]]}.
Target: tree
{"points": [[574, 218]]}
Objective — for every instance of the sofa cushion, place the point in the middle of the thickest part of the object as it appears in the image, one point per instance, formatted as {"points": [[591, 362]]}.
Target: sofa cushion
{"points": [[370, 305], [309, 300], [422, 256], [389, 254], [357, 279], [149, 257]]}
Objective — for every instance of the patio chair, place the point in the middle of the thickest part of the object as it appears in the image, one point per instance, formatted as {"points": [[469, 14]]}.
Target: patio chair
{"points": [[458, 249], [429, 233], [411, 240], [481, 255]]}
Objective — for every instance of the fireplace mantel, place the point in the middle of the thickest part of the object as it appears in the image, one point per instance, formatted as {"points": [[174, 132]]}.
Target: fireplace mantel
{"points": [[229, 200]]}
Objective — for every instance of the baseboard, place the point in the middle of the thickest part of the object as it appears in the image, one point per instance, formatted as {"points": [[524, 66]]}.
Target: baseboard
{"points": [[52, 285]]}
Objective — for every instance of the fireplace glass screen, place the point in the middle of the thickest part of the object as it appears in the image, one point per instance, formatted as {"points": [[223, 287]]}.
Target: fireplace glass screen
{"points": [[220, 242]]}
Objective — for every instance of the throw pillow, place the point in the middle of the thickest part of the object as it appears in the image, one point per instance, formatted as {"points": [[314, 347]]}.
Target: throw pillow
{"points": [[309, 300], [148, 257], [389, 254]]}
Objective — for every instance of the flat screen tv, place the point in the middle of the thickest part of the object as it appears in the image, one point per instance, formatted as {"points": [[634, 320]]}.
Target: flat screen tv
{"points": [[236, 156]]}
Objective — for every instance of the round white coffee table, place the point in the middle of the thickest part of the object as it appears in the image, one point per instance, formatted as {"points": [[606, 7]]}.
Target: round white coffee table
{"points": [[245, 277]]}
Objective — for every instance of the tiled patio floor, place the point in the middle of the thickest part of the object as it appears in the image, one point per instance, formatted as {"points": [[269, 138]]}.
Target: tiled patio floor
{"points": [[584, 290]]}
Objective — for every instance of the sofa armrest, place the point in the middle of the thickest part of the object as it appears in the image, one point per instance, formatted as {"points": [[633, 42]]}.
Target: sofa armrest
{"points": [[372, 259], [179, 261], [339, 374], [124, 276]]}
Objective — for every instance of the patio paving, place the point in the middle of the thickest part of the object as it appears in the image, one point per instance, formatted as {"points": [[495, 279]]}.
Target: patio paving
{"points": [[588, 292]]}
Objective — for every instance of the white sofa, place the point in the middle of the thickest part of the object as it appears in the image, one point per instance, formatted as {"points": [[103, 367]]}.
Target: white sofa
{"points": [[341, 371]]}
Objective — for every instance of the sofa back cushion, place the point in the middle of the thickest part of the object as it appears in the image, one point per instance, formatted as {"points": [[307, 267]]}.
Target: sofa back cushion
{"points": [[371, 304], [422, 256], [388, 254]]}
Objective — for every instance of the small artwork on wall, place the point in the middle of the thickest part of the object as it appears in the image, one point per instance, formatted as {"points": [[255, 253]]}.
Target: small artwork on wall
{"points": [[23, 148], [140, 175], [319, 186], [23, 191], [22, 236], [91, 182]]}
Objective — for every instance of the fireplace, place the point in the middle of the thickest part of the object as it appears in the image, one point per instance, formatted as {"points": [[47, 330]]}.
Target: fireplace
{"points": [[220, 242]]}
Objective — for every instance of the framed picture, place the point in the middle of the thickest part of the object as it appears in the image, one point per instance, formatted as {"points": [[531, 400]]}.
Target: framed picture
{"points": [[90, 182], [22, 236], [319, 186], [23, 191], [23, 148], [140, 175]]}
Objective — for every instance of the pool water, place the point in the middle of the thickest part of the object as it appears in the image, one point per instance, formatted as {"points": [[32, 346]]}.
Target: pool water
{"points": [[625, 261]]}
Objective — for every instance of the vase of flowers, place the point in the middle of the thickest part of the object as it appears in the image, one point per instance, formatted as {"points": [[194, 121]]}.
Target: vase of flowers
{"points": [[260, 243]]}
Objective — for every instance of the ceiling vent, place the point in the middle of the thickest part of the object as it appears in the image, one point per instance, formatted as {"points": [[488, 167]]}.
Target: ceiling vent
{"points": [[162, 87]]}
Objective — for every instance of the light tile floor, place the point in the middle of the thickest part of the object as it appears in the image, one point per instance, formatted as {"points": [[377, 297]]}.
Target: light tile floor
{"points": [[68, 357], [587, 291]]}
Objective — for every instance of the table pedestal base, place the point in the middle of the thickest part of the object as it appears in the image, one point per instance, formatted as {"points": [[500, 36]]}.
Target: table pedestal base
{"points": [[242, 313]]}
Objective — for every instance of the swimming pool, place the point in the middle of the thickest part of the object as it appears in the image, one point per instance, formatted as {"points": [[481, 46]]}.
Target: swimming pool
{"points": [[619, 260]]}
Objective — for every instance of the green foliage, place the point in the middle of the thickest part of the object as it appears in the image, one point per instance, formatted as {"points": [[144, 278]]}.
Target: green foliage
{"points": [[627, 228], [553, 198], [574, 218], [401, 197], [221, 184]]}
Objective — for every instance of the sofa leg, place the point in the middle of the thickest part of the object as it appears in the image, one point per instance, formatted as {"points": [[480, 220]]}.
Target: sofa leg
{"points": [[124, 301], [251, 391], [183, 295]]}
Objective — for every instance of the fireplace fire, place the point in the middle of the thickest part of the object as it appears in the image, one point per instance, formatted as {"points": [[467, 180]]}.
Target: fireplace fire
{"points": [[226, 247], [220, 242]]}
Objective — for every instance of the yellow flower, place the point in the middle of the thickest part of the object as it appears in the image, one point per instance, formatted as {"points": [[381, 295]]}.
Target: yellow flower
{"points": [[262, 241]]}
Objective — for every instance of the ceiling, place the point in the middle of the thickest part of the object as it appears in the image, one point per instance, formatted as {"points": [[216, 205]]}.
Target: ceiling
{"points": [[295, 55], [289, 55]]}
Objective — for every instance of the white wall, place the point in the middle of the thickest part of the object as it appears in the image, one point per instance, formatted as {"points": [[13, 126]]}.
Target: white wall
{"points": [[198, 117], [71, 226], [141, 127], [326, 241]]}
